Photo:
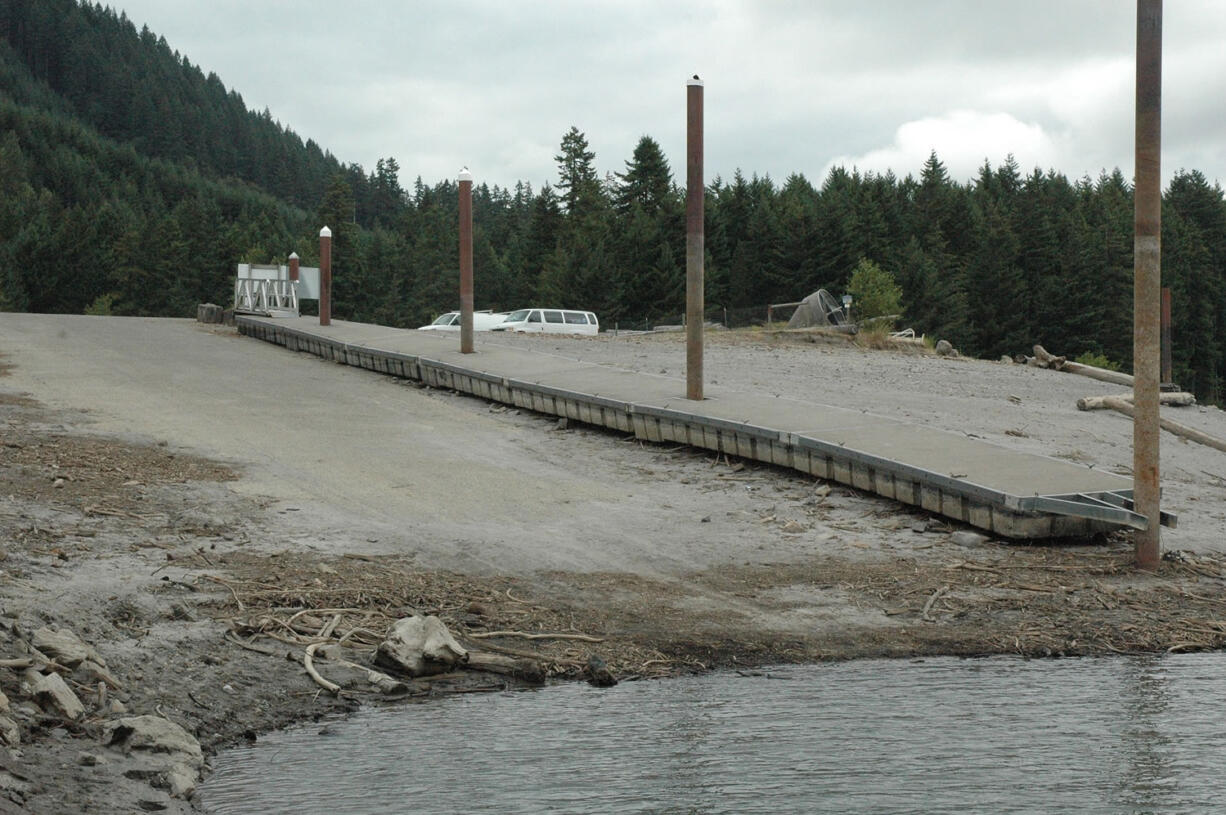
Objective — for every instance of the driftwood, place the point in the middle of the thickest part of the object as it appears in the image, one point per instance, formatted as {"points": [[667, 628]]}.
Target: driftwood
{"points": [[98, 673], [527, 669], [1044, 359], [308, 662], [1100, 402], [1191, 434], [530, 636], [380, 680]]}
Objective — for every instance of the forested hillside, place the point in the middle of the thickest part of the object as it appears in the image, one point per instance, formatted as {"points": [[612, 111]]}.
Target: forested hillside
{"points": [[131, 183]]}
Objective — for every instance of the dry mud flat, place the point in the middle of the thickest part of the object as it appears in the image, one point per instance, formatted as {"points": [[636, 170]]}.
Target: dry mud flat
{"points": [[153, 553]]}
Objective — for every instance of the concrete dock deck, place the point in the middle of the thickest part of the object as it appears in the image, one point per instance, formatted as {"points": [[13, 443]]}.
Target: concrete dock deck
{"points": [[1011, 494]]}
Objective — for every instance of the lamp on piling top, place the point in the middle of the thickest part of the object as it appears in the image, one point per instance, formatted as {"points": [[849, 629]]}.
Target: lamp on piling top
{"points": [[847, 306]]}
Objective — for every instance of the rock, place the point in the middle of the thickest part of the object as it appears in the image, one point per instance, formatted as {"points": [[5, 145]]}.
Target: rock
{"points": [[87, 759], [945, 349], [182, 611], [10, 733], [793, 528], [966, 538], [420, 646], [118, 708], [920, 527], [93, 673], [562, 424], [4, 703], [598, 673], [208, 313], [50, 690], [1006, 359], [822, 490], [13, 784], [162, 751], [65, 647]]}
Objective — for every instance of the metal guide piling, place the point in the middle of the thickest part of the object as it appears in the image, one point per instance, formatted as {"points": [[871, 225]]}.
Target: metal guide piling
{"points": [[1147, 265], [466, 261], [325, 276], [694, 241]]}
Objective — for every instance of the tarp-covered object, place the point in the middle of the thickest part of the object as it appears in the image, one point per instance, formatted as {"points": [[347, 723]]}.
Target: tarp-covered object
{"points": [[817, 310]]}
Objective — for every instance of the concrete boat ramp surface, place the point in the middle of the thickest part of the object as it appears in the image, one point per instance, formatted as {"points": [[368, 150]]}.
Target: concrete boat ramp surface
{"points": [[1009, 493]]}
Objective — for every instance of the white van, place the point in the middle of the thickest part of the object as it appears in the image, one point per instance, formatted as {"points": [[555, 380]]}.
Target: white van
{"points": [[482, 321], [550, 321]]}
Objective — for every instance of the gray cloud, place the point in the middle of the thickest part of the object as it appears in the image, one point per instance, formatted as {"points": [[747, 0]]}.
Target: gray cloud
{"points": [[791, 85]]}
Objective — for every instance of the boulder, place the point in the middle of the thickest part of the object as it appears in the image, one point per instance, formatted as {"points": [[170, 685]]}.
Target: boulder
{"points": [[162, 751], [65, 647], [420, 646]]}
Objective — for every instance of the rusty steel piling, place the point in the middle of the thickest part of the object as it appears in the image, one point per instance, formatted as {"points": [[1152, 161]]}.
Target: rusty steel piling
{"points": [[1168, 376], [466, 261], [1147, 265], [325, 276], [694, 242]]}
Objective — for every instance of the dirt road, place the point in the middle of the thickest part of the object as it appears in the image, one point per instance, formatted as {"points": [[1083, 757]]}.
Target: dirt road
{"points": [[162, 482]]}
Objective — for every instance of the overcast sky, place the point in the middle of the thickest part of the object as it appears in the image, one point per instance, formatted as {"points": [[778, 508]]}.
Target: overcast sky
{"points": [[791, 85]]}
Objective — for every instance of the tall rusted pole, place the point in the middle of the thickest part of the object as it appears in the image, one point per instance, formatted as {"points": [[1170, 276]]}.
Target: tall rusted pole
{"points": [[293, 266], [466, 261], [694, 241], [1168, 377], [325, 276], [1147, 279]]}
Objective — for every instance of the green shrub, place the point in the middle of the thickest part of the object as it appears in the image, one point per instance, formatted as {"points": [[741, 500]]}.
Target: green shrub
{"points": [[1097, 360], [874, 292], [103, 305]]}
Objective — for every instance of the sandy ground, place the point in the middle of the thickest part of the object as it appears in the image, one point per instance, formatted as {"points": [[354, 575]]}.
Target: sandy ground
{"points": [[163, 482]]}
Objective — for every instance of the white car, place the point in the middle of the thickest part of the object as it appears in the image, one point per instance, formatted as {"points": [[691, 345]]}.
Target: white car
{"points": [[550, 321], [482, 321]]}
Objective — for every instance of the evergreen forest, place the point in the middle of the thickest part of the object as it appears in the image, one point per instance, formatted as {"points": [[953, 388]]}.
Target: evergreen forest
{"points": [[131, 183]]}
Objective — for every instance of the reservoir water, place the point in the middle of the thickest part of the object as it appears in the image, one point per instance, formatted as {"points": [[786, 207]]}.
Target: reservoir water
{"points": [[1124, 735]]}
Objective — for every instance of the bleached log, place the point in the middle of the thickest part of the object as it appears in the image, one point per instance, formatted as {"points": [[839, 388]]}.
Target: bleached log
{"points": [[1189, 433], [386, 684], [98, 673], [1101, 374], [308, 662], [420, 646], [1045, 359], [526, 669], [1179, 399]]}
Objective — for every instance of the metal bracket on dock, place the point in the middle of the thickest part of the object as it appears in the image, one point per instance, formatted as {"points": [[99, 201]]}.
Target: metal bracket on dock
{"points": [[1113, 507]]}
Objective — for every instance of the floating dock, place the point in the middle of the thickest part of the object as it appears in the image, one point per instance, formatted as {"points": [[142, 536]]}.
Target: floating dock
{"points": [[1008, 493]]}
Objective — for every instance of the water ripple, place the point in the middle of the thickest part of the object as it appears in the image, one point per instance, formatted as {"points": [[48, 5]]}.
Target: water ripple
{"points": [[945, 735]]}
